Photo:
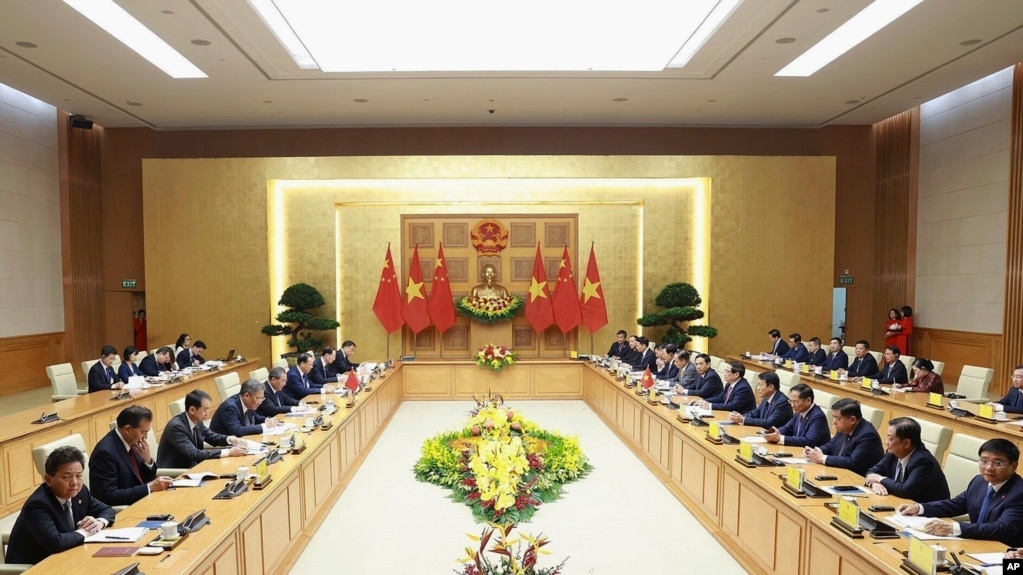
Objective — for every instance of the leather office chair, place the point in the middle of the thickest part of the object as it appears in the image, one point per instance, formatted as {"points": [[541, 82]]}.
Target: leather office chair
{"points": [[824, 399], [850, 350], [974, 381], [227, 385], [939, 366], [716, 362], [87, 365], [261, 374], [961, 462], [39, 454], [907, 360], [936, 437], [282, 363], [787, 379], [874, 416], [177, 407], [10, 568], [153, 445], [877, 357], [64, 383], [142, 353], [117, 363]]}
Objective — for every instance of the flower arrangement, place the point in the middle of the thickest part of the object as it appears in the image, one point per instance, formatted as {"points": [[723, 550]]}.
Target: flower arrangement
{"points": [[489, 309], [495, 357], [501, 464], [510, 557]]}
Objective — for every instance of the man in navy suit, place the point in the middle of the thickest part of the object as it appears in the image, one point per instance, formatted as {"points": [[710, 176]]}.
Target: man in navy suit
{"points": [[864, 365], [774, 409], [323, 371], [101, 374], [908, 470], [669, 371], [192, 356], [299, 382], [809, 426], [837, 359], [184, 439], [60, 513], [993, 500], [1013, 401], [893, 371], [856, 446], [237, 416], [275, 401], [797, 352], [153, 364], [121, 469], [778, 347], [646, 356], [707, 384], [737, 395], [817, 355], [343, 362], [620, 346]]}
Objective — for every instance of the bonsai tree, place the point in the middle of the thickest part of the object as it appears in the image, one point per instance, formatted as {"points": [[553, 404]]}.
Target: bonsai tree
{"points": [[297, 322], [680, 301]]}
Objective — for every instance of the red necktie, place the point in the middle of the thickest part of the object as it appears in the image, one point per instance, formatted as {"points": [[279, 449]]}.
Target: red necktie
{"points": [[135, 466], [728, 394]]}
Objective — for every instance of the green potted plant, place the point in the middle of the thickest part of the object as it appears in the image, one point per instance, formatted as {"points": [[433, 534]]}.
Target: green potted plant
{"points": [[298, 322], [680, 301]]}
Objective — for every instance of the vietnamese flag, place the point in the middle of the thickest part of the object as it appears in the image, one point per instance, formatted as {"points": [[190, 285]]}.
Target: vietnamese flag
{"points": [[415, 309], [440, 305], [565, 302], [352, 383], [538, 307], [591, 304], [648, 379], [387, 305]]}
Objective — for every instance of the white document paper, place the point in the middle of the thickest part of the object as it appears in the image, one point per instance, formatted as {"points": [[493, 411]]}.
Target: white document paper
{"points": [[253, 447], [135, 382], [928, 537], [988, 558], [124, 535], [754, 439], [281, 429], [793, 460], [909, 521]]}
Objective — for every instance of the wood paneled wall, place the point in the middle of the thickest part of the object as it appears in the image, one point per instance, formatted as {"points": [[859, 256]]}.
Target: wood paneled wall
{"points": [[959, 348], [1012, 326], [24, 359], [895, 217]]}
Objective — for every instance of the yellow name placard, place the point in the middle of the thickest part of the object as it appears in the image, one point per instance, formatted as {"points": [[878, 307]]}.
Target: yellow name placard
{"points": [[934, 399], [833, 374], [922, 555], [806, 368], [867, 383], [746, 451], [794, 477], [849, 512], [573, 354], [715, 430], [788, 363], [261, 468], [985, 411]]}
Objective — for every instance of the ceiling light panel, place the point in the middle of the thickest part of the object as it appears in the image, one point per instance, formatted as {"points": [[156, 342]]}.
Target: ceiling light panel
{"points": [[494, 35]]}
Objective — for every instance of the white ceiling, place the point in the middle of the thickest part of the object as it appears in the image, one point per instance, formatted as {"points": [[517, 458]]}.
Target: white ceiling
{"points": [[254, 83]]}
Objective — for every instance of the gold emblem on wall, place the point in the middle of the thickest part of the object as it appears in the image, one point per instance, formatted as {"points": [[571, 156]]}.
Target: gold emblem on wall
{"points": [[489, 237]]}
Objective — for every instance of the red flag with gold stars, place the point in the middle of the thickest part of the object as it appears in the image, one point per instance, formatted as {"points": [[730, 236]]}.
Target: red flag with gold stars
{"points": [[415, 310], [591, 301], [565, 301], [648, 379], [538, 304], [387, 305], [441, 306]]}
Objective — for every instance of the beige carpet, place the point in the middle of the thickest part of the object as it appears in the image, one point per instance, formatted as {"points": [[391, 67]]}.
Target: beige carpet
{"points": [[618, 520]]}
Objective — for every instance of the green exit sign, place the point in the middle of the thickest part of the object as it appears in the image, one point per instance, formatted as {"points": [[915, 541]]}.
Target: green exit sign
{"points": [[131, 283], [845, 280]]}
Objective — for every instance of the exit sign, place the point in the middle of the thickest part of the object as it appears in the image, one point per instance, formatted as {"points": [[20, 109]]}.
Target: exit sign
{"points": [[845, 280], [131, 283]]}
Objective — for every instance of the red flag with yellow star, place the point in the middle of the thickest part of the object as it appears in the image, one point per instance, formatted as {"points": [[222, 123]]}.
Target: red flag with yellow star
{"points": [[538, 305], [415, 310], [441, 306], [591, 301], [387, 305], [565, 302], [648, 379]]}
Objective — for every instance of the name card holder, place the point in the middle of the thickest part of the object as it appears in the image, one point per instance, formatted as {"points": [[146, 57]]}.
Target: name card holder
{"points": [[986, 413], [934, 401], [745, 456], [867, 384], [714, 433], [794, 477], [848, 519]]}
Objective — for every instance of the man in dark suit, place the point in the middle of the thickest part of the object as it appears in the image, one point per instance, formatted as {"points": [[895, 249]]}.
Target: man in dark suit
{"points": [[275, 401], [192, 356], [1013, 400], [299, 382], [864, 365], [122, 470], [993, 500], [893, 370], [101, 374], [668, 371], [343, 362], [774, 409], [153, 364], [797, 351], [809, 426], [620, 346], [323, 371], [237, 416], [646, 356], [60, 513], [184, 438], [817, 355], [856, 446], [837, 359], [707, 384], [737, 394], [908, 470], [685, 372], [778, 347]]}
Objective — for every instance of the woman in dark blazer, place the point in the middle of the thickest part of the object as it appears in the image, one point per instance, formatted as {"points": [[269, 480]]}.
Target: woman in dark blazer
{"points": [[128, 366]]}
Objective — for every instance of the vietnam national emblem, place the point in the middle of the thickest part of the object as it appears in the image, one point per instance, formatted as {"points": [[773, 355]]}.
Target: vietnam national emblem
{"points": [[489, 237]]}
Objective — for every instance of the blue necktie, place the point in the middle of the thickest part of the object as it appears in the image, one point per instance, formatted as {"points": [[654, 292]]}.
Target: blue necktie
{"points": [[985, 507], [110, 374]]}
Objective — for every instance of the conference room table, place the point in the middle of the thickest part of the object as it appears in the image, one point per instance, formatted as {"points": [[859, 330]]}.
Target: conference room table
{"points": [[88, 415]]}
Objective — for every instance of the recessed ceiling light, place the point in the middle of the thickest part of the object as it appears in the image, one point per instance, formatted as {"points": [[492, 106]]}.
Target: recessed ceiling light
{"points": [[863, 25], [360, 100], [971, 42], [121, 25], [24, 44], [852, 101], [823, 10], [712, 101], [166, 11], [285, 34], [268, 101], [131, 103], [201, 42], [620, 100], [709, 25], [786, 40]]}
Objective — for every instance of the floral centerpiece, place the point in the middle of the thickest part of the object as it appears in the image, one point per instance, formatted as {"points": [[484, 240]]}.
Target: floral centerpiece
{"points": [[495, 357], [501, 464], [489, 309], [509, 556]]}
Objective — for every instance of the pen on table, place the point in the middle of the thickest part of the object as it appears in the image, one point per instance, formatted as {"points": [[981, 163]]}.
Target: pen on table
{"points": [[116, 538], [165, 557]]}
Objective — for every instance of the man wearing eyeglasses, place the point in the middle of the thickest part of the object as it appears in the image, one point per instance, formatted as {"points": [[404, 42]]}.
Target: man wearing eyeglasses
{"points": [[809, 426], [993, 500]]}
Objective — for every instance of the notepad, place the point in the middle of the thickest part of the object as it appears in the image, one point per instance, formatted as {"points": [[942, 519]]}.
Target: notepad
{"points": [[116, 551], [125, 535]]}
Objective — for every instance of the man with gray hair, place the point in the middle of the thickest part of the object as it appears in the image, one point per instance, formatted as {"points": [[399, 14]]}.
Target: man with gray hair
{"points": [[237, 416], [275, 401]]}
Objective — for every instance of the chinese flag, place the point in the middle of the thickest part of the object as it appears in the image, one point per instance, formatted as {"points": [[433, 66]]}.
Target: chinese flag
{"points": [[352, 383], [648, 379], [441, 306], [565, 301], [415, 309], [387, 305], [538, 307], [591, 304]]}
